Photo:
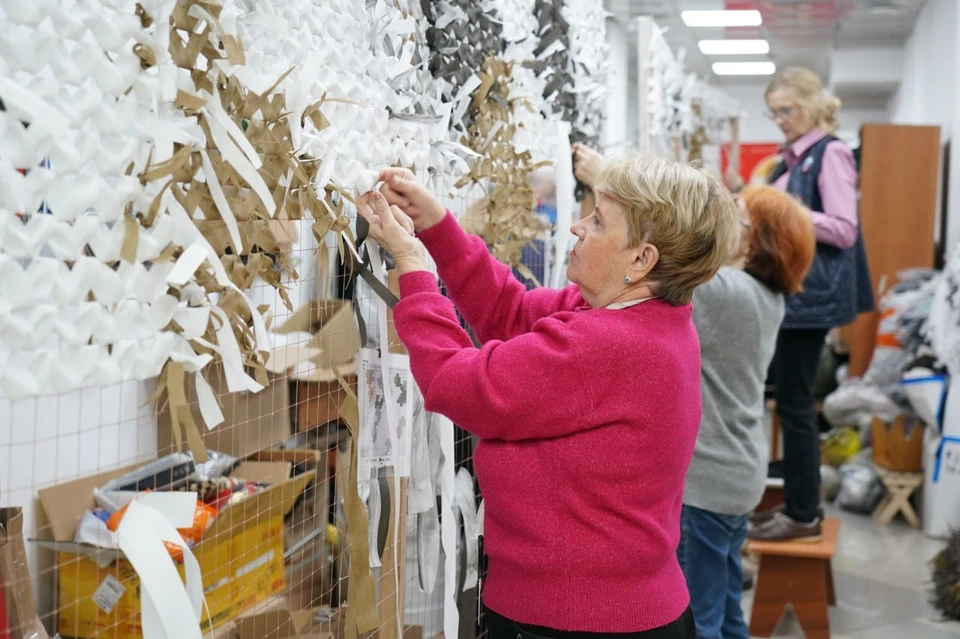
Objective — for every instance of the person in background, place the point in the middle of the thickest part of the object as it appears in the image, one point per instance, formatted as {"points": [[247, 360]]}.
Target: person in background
{"points": [[737, 315], [586, 400], [818, 169]]}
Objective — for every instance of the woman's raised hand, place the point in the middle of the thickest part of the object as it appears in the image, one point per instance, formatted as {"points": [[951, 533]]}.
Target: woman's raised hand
{"points": [[393, 230], [587, 164], [402, 189]]}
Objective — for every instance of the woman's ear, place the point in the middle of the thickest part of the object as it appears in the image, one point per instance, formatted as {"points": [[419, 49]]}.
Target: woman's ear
{"points": [[646, 257]]}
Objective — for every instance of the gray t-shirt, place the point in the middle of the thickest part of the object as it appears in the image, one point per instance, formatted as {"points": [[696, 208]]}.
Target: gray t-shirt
{"points": [[738, 319]]}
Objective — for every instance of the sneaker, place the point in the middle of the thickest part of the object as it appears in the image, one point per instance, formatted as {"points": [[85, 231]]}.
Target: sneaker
{"points": [[782, 528], [761, 517]]}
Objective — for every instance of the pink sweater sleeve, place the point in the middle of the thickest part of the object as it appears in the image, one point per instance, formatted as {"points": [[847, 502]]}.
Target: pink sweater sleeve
{"points": [[497, 391], [493, 302], [837, 224]]}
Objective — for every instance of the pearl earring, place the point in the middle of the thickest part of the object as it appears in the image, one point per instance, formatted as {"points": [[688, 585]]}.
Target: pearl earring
{"points": [[627, 279]]}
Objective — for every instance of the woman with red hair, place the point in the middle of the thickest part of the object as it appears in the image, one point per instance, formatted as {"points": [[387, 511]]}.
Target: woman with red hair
{"points": [[737, 315]]}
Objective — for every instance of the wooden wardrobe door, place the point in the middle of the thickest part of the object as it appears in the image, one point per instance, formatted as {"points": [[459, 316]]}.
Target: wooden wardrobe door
{"points": [[898, 185]]}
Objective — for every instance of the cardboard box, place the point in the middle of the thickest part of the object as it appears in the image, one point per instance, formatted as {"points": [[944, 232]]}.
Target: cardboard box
{"points": [[896, 451], [241, 560], [336, 628], [252, 421], [941, 485], [280, 624], [335, 342], [318, 403]]}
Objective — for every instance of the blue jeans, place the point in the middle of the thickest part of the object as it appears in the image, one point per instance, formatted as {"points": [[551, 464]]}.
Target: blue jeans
{"points": [[709, 554]]}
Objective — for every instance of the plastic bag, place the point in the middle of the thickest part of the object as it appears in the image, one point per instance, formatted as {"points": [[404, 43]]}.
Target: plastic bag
{"points": [[899, 310], [841, 445], [856, 403], [860, 487]]}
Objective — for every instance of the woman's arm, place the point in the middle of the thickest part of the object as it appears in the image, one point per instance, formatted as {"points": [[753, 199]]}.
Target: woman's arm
{"points": [[837, 224], [493, 302], [494, 392]]}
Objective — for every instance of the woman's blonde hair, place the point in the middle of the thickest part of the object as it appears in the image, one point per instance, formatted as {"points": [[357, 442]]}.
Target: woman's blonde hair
{"points": [[683, 210], [818, 105]]}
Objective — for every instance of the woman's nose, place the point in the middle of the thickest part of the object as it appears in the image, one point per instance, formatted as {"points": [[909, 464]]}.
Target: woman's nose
{"points": [[577, 229]]}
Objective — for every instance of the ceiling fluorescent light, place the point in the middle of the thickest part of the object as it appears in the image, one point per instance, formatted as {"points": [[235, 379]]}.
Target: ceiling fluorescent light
{"points": [[744, 68], [734, 47], [749, 18]]}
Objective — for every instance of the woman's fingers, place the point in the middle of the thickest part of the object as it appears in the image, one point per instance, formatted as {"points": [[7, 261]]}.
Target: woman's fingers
{"points": [[387, 175], [365, 209], [403, 219], [399, 186], [393, 197]]}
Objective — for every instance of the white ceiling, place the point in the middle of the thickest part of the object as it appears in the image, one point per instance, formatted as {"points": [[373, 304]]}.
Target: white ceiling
{"points": [[799, 31]]}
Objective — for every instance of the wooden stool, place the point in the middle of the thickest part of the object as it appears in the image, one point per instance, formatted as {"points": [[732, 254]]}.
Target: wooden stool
{"points": [[900, 486], [797, 573]]}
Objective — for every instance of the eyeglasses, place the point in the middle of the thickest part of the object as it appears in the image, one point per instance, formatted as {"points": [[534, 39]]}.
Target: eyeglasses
{"points": [[782, 112]]}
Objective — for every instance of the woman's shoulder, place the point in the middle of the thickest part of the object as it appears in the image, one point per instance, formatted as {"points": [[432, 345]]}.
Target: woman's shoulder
{"points": [[726, 281], [650, 325], [837, 149], [730, 290]]}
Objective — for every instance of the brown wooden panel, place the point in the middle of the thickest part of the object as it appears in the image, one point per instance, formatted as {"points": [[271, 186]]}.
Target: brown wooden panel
{"points": [[898, 184]]}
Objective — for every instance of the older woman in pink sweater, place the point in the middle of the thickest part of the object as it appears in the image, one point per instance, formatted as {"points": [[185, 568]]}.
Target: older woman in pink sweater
{"points": [[586, 401]]}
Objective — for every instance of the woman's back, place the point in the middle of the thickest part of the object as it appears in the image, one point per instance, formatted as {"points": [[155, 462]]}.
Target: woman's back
{"points": [[737, 319]]}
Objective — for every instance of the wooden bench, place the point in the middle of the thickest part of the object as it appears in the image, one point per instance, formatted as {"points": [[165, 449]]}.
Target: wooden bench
{"points": [[797, 573]]}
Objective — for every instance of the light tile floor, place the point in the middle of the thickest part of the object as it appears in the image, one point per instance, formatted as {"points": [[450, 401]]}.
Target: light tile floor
{"points": [[881, 576]]}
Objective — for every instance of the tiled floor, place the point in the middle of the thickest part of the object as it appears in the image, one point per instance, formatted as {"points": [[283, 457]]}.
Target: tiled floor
{"points": [[881, 576]]}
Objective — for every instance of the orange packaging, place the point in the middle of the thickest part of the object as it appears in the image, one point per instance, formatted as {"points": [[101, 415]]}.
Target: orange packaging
{"points": [[203, 517]]}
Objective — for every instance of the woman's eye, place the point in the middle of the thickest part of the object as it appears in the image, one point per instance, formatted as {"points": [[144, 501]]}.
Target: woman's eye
{"points": [[596, 221]]}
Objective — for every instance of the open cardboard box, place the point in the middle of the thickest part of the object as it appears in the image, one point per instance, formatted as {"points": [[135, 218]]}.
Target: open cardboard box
{"points": [[251, 421], [280, 624], [241, 556], [334, 342], [317, 394], [336, 628]]}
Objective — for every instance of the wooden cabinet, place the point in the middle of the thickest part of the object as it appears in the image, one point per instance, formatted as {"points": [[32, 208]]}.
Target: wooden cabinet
{"points": [[899, 169]]}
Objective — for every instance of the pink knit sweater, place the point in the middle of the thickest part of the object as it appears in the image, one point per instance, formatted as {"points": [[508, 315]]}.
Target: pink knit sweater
{"points": [[587, 420]]}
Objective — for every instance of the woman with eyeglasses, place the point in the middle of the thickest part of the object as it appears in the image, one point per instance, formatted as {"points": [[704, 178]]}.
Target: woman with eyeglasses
{"points": [[819, 170]]}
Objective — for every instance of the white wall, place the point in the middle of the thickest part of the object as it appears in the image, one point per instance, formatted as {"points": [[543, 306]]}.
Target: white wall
{"points": [[754, 125], [852, 119], [928, 93]]}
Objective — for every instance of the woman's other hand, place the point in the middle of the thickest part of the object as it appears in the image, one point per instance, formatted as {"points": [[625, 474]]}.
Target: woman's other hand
{"points": [[586, 164], [403, 190], [393, 230], [731, 177]]}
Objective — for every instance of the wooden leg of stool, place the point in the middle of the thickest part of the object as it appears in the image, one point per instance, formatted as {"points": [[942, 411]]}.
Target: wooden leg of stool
{"points": [[831, 592], [885, 510], [798, 581], [909, 513]]}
